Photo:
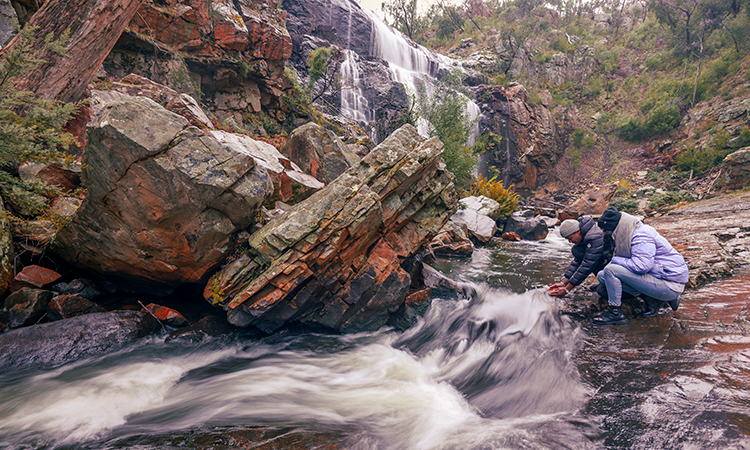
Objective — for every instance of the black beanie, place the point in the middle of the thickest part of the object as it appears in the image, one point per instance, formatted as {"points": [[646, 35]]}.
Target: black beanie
{"points": [[609, 219]]}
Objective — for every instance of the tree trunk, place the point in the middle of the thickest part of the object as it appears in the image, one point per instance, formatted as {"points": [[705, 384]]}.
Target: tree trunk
{"points": [[94, 25]]}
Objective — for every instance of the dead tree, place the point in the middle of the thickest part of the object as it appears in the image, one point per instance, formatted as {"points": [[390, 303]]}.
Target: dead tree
{"points": [[94, 27]]}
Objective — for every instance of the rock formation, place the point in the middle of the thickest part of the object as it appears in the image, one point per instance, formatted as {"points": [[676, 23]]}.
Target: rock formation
{"points": [[230, 55], [163, 199], [530, 145], [318, 152], [340, 259]]}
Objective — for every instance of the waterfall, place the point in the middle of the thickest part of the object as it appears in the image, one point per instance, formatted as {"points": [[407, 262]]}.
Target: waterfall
{"points": [[354, 105], [408, 63]]}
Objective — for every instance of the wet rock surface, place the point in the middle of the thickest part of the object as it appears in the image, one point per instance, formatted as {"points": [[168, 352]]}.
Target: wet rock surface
{"points": [[681, 377], [63, 341], [259, 438], [713, 235]]}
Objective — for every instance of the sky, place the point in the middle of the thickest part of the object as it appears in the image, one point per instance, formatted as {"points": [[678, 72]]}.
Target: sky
{"points": [[374, 5]]}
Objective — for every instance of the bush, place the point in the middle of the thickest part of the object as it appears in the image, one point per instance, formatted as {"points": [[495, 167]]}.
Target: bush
{"points": [[669, 198], [31, 129], [662, 119], [445, 111], [629, 205], [495, 190], [702, 159]]}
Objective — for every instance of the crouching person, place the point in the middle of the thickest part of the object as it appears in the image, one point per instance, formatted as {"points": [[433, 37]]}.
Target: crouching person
{"points": [[643, 262], [588, 245]]}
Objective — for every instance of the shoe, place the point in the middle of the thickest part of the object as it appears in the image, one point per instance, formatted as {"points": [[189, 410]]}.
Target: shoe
{"points": [[652, 306], [674, 304], [612, 316]]}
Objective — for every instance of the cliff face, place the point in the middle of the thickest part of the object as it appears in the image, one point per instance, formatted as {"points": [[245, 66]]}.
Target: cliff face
{"points": [[229, 54], [530, 143]]}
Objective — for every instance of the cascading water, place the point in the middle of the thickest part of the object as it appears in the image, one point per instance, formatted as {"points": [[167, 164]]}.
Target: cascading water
{"points": [[354, 105], [491, 369], [408, 63]]}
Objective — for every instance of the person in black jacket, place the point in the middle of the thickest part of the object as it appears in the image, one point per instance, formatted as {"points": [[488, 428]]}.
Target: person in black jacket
{"points": [[588, 253]]}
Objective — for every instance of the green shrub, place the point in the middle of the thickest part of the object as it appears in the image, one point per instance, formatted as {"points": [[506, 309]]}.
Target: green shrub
{"points": [[576, 137], [662, 119], [699, 160], [445, 111], [31, 129], [669, 198], [629, 205]]}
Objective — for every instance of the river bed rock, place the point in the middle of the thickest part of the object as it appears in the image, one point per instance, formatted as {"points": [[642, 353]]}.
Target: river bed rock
{"points": [[54, 343], [713, 234], [336, 259]]}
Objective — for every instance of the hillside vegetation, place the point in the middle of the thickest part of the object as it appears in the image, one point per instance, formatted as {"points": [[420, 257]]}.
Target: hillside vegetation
{"points": [[630, 80]]}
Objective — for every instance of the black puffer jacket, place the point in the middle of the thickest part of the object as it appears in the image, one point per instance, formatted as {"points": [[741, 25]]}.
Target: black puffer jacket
{"points": [[587, 254]]}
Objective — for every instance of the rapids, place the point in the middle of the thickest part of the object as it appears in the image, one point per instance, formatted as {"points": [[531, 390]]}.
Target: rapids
{"points": [[491, 369]]}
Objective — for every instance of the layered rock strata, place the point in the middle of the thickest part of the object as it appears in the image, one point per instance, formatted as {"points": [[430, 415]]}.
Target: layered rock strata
{"points": [[341, 258]]}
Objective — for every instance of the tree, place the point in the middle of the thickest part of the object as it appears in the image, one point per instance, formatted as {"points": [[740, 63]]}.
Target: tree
{"points": [[693, 19], [30, 128], [445, 111], [94, 26], [322, 67], [403, 16]]}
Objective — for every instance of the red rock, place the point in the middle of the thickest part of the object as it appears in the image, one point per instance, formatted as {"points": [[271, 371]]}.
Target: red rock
{"points": [[68, 305], [511, 236], [34, 277], [418, 298], [167, 316]]}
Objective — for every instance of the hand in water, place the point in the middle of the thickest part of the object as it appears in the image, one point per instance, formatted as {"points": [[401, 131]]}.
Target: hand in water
{"points": [[557, 291]]}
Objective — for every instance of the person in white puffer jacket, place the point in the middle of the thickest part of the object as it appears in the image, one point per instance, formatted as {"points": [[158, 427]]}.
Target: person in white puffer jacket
{"points": [[643, 263]]}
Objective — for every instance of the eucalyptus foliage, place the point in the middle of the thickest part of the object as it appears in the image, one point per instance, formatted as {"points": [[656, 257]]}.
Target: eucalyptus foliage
{"points": [[31, 129], [445, 111]]}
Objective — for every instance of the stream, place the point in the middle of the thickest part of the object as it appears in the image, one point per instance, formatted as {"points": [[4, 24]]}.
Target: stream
{"points": [[499, 367]]}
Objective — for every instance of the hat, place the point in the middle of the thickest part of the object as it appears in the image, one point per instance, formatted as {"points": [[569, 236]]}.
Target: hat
{"points": [[569, 227], [609, 219]]}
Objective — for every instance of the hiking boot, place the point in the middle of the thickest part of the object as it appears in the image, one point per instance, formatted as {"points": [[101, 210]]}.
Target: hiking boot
{"points": [[652, 306], [674, 304], [612, 316]]}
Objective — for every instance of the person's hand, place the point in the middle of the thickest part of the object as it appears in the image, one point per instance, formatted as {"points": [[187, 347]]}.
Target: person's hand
{"points": [[557, 291], [555, 286]]}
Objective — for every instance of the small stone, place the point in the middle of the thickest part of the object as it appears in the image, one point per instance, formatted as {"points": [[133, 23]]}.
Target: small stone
{"points": [[67, 306], [167, 316], [33, 276]]}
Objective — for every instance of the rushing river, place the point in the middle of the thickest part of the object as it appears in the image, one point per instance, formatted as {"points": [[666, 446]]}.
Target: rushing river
{"points": [[500, 367], [490, 370]]}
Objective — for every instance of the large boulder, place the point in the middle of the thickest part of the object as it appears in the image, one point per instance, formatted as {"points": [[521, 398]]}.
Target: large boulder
{"points": [[230, 54], [452, 240], [336, 258], [735, 170], [163, 199], [594, 201], [481, 227], [318, 152], [527, 227], [55, 343]]}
